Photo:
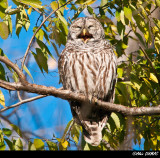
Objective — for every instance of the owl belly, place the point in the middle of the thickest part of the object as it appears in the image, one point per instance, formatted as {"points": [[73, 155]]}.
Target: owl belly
{"points": [[87, 74], [82, 77]]}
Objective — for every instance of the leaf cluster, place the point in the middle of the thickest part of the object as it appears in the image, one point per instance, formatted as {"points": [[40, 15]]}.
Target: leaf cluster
{"points": [[138, 76]]}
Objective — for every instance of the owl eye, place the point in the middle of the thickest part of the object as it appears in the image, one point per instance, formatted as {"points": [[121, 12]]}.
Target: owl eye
{"points": [[77, 27], [91, 26]]}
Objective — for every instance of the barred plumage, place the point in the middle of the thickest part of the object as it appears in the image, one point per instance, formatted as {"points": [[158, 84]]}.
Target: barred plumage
{"points": [[88, 68]]}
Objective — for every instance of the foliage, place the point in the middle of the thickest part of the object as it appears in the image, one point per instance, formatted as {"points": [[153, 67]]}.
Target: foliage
{"points": [[138, 79]]}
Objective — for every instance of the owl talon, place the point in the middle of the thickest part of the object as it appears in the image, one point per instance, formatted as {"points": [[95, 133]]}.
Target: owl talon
{"points": [[90, 98]]}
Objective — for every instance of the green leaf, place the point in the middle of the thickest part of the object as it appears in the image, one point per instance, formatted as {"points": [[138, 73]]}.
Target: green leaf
{"points": [[2, 72], [88, 2], [90, 10], [54, 5], [117, 15], [120, 72], [19, 23], [147, 83], [4, 32], [157, 3], [3, 7], [41, 59], [33, 3], [39, 34], [2, 99], [27, 71], [103, 2], [128, 13], [2, 146], [66, 129], [121, 29], [18, 144], [75, 132], [52, 145], [16, 128], [9, 143], [8, 21], [44, 49], [7, 131], [62, 18], [39, 144], [31, 146], [116, 120]]}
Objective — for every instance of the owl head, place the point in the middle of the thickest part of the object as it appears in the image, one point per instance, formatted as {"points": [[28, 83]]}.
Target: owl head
{"points": [[85, 30]]}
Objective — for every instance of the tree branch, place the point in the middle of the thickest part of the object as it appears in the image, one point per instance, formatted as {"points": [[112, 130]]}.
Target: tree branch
{"points": [[15, 68], [22, 102], [69, 95]]}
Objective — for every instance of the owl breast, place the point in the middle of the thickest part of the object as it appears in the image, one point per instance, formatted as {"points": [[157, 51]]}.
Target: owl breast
{"points": [[90, 71]]}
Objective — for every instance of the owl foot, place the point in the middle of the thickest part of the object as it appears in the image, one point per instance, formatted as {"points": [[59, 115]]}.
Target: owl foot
{"points": [[92, 99]]}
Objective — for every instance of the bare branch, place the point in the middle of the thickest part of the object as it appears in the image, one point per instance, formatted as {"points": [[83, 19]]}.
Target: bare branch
{"points": [[22, 102]]}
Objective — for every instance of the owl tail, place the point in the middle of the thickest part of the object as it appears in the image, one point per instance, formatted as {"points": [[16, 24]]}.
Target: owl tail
{"points": [[94, 135], [91, 120]]}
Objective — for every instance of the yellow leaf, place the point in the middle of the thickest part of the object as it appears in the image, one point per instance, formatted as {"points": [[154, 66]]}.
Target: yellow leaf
{"points": [[153, 78], [88, 2], [122, 17], [54, 5], [30, 10], [147, 83], [65, 144], [2, 99]]}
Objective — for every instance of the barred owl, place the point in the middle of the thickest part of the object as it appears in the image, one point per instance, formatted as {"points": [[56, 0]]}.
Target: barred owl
{"points": [[87, 65]]}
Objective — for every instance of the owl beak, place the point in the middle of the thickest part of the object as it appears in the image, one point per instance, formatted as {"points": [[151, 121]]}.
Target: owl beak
{"points": [[84, 32], [85, 35]]}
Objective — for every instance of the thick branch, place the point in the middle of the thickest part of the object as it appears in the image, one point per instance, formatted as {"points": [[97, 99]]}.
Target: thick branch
{"points": [[68, 95]]}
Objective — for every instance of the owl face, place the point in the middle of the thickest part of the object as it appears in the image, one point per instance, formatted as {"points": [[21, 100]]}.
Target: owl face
{"points": [[86, 30]]}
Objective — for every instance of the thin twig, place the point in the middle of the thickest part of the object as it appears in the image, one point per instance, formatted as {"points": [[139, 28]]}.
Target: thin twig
{"points": [[29, 45], [22, 102], [19, 96]]}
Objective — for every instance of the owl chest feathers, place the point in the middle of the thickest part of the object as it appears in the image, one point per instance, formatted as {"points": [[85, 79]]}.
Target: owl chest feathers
{"points": [[88, 71]]}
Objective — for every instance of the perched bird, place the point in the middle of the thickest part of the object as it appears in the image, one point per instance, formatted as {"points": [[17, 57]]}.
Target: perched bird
{"points": [[88, 65]]}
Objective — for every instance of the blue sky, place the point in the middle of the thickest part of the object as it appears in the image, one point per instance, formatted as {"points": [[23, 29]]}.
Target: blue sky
{"points": [[50, 113], [44, 116]]}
